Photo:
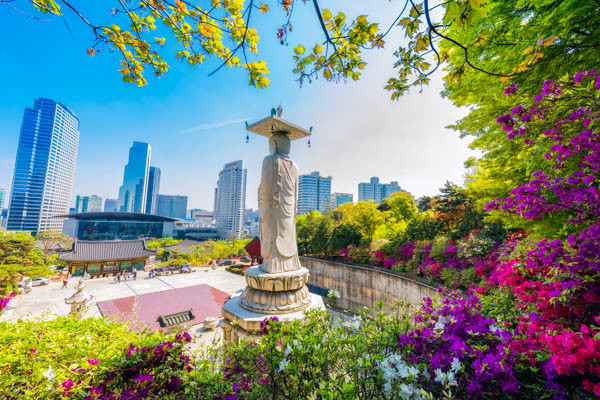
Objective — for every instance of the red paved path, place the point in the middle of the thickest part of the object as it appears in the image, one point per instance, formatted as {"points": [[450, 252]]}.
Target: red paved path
{"points": [[143, 310]]}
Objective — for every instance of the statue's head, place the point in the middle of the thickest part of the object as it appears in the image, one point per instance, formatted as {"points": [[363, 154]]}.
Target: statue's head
{"points": [[279, 143]]}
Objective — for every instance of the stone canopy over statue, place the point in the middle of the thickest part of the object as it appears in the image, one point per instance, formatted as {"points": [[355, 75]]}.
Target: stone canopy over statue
{"points": [[278, 285]]}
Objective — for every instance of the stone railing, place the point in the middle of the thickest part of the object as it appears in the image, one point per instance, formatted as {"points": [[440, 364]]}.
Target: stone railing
{"points": [[363, 286]]}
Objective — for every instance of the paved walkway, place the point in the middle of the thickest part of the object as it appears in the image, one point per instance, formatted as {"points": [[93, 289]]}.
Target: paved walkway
{"points": [[49, 301]]}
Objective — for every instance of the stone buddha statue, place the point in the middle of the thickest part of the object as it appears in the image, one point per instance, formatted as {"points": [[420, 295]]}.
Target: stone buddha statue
{"points": [[277, 205]]}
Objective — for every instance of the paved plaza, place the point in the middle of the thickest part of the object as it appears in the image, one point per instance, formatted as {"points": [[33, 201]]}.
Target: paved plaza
{"points": [[49, 301]]}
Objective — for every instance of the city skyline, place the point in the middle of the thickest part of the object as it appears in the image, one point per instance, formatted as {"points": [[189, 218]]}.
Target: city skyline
{"points": [[195, 123]]}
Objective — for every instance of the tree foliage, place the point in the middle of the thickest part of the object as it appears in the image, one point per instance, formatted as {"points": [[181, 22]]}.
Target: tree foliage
{"points": [[20, 257]]}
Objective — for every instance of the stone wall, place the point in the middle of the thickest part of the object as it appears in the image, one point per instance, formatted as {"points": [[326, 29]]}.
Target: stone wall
{"points": [[363, 286]]}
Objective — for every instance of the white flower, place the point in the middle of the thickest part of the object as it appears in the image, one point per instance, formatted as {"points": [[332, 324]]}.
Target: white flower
{"points": [[455, 366], [440, 377], [441, 323], [288, 350], [333, 294], [49, 373], [283, 364]]}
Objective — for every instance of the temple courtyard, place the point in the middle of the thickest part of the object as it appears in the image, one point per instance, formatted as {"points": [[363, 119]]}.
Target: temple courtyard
{"points": [[49, 301]]}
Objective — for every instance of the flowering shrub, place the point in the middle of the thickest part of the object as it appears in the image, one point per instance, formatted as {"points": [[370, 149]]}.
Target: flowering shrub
{"points": [[5, 300], [458, 350], [96, 359], [562, 122]]}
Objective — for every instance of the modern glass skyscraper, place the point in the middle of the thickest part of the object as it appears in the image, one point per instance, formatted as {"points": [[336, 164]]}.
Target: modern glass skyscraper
{"points": [[45, 167], [88, 204], [153, 188], [230, 199], [2, 196], [314, 193], [171, 206], [111, 205], [133, 192], [337, 199], [377, 192]]}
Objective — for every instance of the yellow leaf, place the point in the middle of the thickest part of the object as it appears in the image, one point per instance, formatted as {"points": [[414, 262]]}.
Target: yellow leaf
{"points": [[181, 6], [326, 14], [327, 74], [263, 8], [404, 21], [318, 49], [299, 50]]}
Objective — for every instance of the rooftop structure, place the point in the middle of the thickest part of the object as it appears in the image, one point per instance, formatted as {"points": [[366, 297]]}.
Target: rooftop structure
{"points": [[117, 226], [101, 258]]}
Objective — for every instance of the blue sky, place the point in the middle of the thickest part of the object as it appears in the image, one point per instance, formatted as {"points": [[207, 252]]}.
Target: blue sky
{"points": [[194, 122]]}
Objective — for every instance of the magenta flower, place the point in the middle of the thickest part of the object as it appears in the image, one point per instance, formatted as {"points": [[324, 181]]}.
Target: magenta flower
{"points": [[32, 351], [144, 378], [93, 361], [67, 385]]}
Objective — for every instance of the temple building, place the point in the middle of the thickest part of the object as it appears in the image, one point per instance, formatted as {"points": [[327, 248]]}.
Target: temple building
{"points": [[103, 258]]}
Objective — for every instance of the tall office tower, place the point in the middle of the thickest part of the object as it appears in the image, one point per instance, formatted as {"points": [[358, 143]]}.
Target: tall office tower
{"points": [[171, 206], [85, 204], [45, 167], [110, 205], [314, 192], [337, 199], [153, 187], [2, 196], [133, 192], [230, 199], [377, 192]]}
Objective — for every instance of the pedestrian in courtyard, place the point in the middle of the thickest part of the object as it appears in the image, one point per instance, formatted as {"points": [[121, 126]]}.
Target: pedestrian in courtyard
{"points": [[65, 282], [134, 274], [119, 278]]}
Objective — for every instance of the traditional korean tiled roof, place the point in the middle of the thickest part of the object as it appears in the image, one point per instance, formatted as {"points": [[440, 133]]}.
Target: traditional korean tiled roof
{"points": [[108, 250], [253, 248], [175, 319], [184, 246]]}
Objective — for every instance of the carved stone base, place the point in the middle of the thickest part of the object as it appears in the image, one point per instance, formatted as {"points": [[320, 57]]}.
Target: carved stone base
{"points": [[240, 323], [284, 302], [277, 282]]}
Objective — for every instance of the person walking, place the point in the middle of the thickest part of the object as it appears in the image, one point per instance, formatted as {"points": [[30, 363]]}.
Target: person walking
{"points": [[65, 282], [134, 274], [119, 278]]}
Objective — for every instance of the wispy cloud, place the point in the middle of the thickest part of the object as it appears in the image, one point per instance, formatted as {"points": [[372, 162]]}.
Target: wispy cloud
{"points": [[215, 125]]}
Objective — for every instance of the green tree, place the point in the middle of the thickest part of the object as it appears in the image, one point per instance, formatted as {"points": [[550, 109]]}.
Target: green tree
{"points": [[20, 257], [52, 241], [364, 216]]}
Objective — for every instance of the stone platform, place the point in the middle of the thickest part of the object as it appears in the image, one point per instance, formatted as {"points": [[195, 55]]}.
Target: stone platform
{"points": [[240, 323]]}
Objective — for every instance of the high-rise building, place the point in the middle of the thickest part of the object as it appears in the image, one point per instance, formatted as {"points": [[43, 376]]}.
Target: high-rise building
{"points": [[45, 167], [110, 205], [88, 204], [314, 192], [133, 192], [230, 199], [2, 196], [251, 221], [153, 187], [171, 206], [337, 199], [377, 192]]}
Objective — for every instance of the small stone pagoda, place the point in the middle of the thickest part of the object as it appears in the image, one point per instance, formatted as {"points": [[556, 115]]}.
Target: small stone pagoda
{"points": [[276, 287]]}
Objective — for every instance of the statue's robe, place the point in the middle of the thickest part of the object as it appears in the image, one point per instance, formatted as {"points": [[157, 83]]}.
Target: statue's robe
{"points": [[277, 198]]}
